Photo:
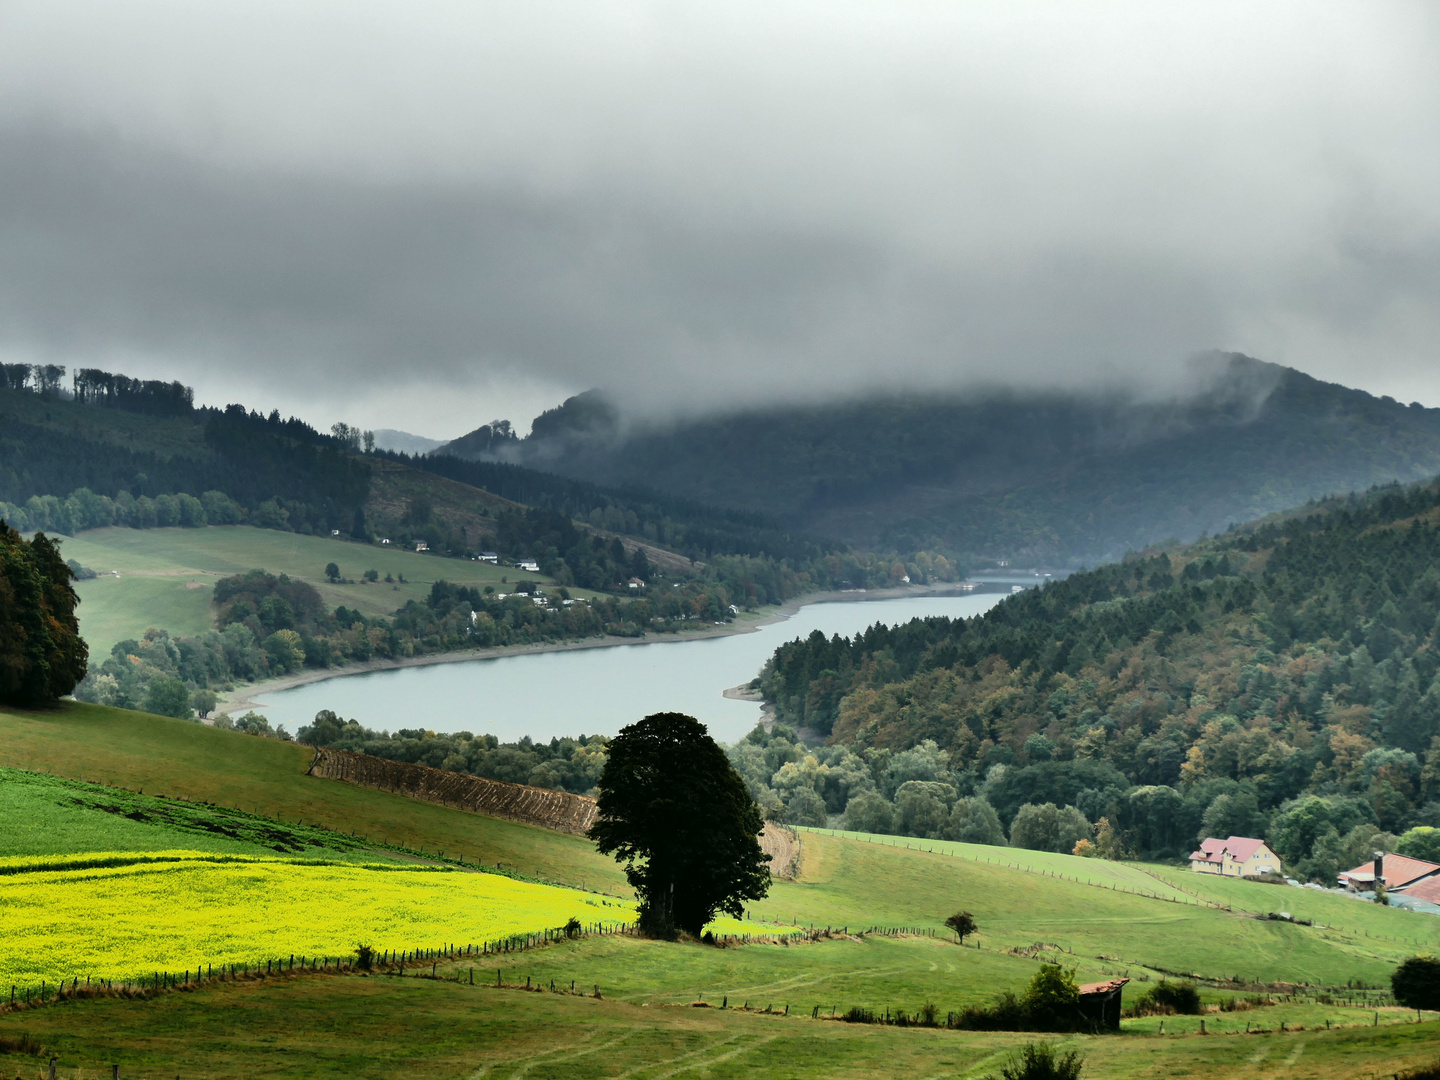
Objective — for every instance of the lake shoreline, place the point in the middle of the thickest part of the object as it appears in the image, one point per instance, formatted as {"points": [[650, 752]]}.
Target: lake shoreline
{"points": [[250, 696]]}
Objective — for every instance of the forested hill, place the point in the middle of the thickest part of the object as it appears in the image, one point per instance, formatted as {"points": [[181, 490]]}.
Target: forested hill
{"points": [[1297, 658], [120, 451], [1039, 478]]}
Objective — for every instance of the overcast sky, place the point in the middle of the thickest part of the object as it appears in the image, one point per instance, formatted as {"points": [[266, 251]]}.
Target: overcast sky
{"points": [[427, 215]]}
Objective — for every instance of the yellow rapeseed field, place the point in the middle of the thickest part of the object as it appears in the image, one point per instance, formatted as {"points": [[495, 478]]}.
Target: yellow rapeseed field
{"points": [[125, 915]]}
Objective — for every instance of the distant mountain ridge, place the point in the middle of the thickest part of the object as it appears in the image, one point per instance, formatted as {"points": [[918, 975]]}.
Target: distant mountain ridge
{"points": [[1034, 477], [403, 442]]}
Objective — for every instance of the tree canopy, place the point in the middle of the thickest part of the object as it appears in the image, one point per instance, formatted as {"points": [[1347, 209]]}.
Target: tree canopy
{"points": [[673, 809], [42, 655]]}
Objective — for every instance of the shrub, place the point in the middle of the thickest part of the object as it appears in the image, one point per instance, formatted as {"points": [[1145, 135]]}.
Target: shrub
{"points": [[1038, 1061], [364, 957], [1165, 998], [1416, 983]]}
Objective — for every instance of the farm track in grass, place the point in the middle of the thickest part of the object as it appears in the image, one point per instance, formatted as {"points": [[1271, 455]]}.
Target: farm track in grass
{"points": [[382, 1026]]}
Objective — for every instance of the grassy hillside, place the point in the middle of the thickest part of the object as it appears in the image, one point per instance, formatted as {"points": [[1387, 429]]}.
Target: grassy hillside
{"points": [[160, 756], [423, 1028], [1102, 918], [166, 576]]}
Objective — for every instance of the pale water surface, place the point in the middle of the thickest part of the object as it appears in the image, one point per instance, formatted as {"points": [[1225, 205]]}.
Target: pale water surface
{"points": [[594, 691]]}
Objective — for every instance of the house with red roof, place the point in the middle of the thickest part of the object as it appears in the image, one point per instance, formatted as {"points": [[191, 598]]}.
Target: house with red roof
{"points": [[1236, 856], [1413, 877]]}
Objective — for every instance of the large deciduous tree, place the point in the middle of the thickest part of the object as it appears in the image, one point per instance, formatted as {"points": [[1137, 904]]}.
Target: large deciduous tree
{"points": [[42, 655], [678, 815]]}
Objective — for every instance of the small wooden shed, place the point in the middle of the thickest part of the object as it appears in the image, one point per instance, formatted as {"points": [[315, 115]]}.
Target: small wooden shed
{"points": [[1100, 1003]]}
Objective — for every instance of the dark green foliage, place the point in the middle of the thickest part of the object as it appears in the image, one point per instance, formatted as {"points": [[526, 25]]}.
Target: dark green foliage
{"points": [[42, 655], [962, 924], [282, 472], [1050, 1003], [1068, 478], [1039, 1061], [562, 764], [675, 812], [1166, 998], [1281, 678], [1416, 983]]}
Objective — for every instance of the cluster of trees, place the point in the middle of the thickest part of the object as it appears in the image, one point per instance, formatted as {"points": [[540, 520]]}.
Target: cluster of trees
{"points": [[42, 655], [1233, 683], [283, 474], [268, 625], [573, 765], [83, 509]]}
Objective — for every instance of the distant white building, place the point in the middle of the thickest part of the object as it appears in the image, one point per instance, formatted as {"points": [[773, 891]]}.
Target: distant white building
{"points": [[421, 545], [490, 557], [528, 564], [334, 532], [385, 540], [635, 583]]}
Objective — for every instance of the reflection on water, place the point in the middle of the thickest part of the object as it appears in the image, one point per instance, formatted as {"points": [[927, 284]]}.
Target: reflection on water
{"points": [[593, 691]]}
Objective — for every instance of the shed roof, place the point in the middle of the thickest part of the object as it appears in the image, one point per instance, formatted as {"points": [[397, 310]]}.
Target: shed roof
{"points": [[1108, 987]]}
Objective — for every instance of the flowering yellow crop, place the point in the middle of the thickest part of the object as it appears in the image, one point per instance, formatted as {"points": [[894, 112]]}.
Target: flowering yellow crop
{"points": [[125, 915]]}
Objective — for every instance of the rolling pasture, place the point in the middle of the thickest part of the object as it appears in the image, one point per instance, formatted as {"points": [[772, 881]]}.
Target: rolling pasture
{"points": [[166, 576], [659, 1012]]}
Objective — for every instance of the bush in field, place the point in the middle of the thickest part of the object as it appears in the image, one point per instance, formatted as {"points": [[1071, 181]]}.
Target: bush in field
{"points": [[1416, 983], [1039, 1061], [678, 815], [1166, 997]]}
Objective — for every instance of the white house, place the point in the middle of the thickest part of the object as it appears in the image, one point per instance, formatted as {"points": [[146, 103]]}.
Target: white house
{"points": [[528, 564], [635, 583], [1238, 856], [490, 557], [421, 545]]}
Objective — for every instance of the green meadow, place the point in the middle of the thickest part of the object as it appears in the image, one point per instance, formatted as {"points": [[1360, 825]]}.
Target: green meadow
{"points": [[101, 779], [165, 577]]}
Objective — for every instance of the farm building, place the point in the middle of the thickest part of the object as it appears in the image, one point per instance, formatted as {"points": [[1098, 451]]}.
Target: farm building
{"points": [[1399, 873], [1100, 1003], [488, 557], [528, 564], [1237, 856]]}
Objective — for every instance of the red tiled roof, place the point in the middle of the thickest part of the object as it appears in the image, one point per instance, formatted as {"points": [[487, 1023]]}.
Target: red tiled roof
{"points": [[1427, 890], [1239, 847], [1399, 871], [1102, 987]]}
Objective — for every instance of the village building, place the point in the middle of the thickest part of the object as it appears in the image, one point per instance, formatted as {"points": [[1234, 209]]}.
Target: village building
{"points": [[489, 557], [1415, 877], [1236, 856], [528, 564], [421, 545], [636, 583]]}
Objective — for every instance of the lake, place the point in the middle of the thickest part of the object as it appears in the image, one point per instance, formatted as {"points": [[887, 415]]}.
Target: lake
{"points": [[595, 691]]}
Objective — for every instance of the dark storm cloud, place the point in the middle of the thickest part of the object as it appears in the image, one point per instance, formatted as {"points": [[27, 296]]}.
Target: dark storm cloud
{"points": [[410, 215]]}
